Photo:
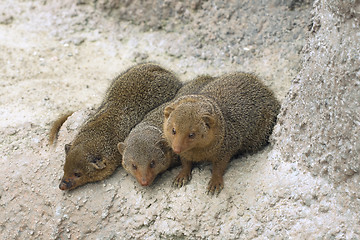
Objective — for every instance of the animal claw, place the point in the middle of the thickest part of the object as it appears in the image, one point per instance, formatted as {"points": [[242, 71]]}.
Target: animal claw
{"points": [[181, 180], [214, 187]]}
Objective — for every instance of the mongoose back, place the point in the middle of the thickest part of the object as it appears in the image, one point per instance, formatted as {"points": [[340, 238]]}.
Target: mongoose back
{"points": [[93, 155], [145, 153], [233, 114]]}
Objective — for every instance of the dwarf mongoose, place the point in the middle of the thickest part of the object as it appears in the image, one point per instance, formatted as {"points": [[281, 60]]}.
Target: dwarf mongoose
{"points": [[93, 154], [233, 114]]}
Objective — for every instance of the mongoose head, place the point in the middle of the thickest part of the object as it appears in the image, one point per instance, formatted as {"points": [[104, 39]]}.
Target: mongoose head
{"points": [[84, 165], [145, 157], [189, 124]]}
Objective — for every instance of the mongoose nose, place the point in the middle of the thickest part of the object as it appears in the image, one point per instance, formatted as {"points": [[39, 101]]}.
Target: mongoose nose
{"points": [[176, 149], [144, 182], [64, 185]]}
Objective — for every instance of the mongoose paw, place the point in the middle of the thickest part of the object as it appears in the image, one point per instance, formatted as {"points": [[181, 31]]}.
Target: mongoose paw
{"points": [[181, 179], [215, 186]]}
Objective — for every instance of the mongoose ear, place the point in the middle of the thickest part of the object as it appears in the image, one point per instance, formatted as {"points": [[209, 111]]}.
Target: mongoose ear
{"points": [[121, 147], [163, 145], [209, 120], [67, 148], [98, 163], [167, 111]]}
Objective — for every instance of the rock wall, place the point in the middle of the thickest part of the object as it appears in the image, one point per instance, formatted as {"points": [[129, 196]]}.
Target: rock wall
{"points": [[319, 125]]}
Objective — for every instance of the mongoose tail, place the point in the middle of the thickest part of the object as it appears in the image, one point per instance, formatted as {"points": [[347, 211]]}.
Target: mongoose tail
{"points": [[55, 128]]}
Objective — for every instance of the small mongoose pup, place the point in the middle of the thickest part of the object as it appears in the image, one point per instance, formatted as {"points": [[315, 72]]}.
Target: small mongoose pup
{"points": [[145, 153], [233, 114], [93, 154]]}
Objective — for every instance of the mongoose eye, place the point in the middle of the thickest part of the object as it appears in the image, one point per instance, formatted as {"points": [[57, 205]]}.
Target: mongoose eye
{"points": [[77, 174], [134, 166], [152, 164], [173, 131], [192, 135]]}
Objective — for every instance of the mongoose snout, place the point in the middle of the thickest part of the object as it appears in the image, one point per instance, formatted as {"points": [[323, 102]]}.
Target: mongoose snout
{"points": [[66, 184]]}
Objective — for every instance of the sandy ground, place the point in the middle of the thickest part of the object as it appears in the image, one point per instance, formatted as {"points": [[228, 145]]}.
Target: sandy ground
{"points": [[52, 62]]}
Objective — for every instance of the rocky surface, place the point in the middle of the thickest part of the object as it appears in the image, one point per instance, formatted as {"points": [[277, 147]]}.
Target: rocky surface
{"points": [[319, 126], [60, 56]]}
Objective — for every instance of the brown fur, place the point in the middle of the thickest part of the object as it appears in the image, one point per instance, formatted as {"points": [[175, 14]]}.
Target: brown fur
{"points": [[145, 152], [93, 155], [234, 114], [55, 128]]}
